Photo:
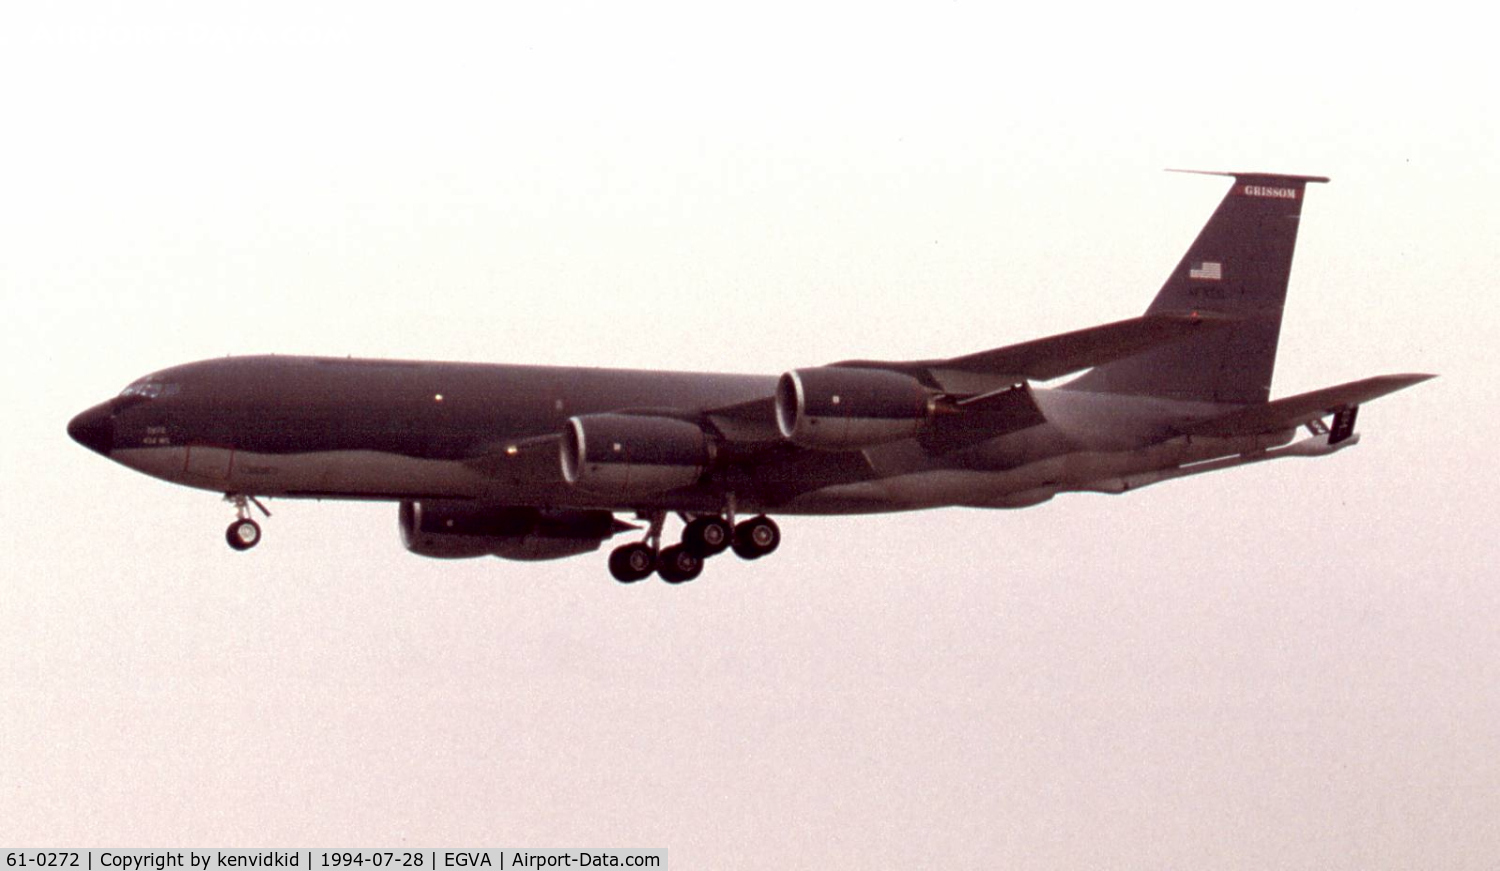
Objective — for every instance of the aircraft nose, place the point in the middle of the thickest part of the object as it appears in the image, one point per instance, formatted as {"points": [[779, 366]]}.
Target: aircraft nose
{"points": [[94, 429]]}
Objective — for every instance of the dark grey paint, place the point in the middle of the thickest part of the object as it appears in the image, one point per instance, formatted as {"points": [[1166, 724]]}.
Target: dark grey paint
{"points": [[1185, 384]]}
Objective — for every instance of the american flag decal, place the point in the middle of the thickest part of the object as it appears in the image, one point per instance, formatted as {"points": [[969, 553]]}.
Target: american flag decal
{"points": [[1208, 270]]}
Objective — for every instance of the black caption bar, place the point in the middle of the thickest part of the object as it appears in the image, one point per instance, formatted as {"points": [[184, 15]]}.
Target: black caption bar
{"points": [[323, 860]]}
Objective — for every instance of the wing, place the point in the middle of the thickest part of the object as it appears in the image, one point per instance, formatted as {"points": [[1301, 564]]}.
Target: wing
{"points": [[1050, 357], [984, 386]]}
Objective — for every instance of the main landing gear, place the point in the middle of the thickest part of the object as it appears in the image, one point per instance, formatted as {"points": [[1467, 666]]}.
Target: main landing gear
{"points": [[704, 536], [244, 533]]}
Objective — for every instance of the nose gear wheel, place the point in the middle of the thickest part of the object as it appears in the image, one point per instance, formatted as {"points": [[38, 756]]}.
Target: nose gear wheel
{"points": [[244, 533]]}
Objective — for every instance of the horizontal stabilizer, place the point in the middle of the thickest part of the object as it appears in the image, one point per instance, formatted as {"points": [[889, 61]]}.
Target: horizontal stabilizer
{"points": [[1053, 356], [1270, 176], [1293, 411]]}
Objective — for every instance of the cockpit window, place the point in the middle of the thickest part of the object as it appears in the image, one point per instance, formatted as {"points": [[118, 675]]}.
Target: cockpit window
{"points": [[150, 389]]}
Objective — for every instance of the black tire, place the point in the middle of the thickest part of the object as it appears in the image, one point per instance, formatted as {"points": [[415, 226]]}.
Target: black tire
{"points": [[708, 536], [678, 565], [243, 534], [632, 562], [756, 537]]}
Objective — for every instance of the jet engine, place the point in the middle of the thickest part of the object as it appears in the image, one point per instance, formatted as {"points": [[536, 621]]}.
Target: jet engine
{"points": [[842, 408], [627, 455], [447, 529]]}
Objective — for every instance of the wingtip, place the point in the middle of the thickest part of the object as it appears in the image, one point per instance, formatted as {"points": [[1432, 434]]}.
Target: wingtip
{"points": [[1403, 380]]}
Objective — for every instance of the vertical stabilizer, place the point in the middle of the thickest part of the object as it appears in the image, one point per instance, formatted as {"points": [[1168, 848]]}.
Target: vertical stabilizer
{"points": [[1238, 266]]}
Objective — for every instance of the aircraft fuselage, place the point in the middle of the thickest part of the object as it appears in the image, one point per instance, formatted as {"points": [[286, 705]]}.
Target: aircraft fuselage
{"points": [[339, 428], [533, 462]]}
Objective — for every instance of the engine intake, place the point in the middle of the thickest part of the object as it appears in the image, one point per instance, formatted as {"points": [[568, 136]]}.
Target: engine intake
{"points": [[627, 455], [836, 408]]}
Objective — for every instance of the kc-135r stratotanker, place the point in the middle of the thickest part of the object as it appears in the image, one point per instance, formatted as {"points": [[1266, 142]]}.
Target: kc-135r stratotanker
{"points": [[534, 462]]}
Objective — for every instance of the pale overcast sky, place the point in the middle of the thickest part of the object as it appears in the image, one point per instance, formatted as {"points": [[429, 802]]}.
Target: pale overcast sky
{"points": [[1292, 665]]}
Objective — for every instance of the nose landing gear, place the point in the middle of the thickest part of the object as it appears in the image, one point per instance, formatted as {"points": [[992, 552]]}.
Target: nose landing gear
{"points": [[244, 533]]}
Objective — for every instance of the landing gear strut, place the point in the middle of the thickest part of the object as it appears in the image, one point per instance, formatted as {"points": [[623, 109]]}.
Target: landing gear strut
{"points": [[704, 536], [243, 533]]}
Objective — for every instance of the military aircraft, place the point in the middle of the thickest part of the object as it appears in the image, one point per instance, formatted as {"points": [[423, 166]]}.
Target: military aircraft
{"points": [[534, 463]]}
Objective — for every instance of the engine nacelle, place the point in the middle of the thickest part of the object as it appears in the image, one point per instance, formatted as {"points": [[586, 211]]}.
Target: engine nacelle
{"points": [[456, 530], [627, 455], [838, 408]]}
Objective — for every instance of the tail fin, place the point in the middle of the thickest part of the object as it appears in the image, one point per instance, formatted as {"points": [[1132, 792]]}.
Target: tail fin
{"points": [[1238, 266]]}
